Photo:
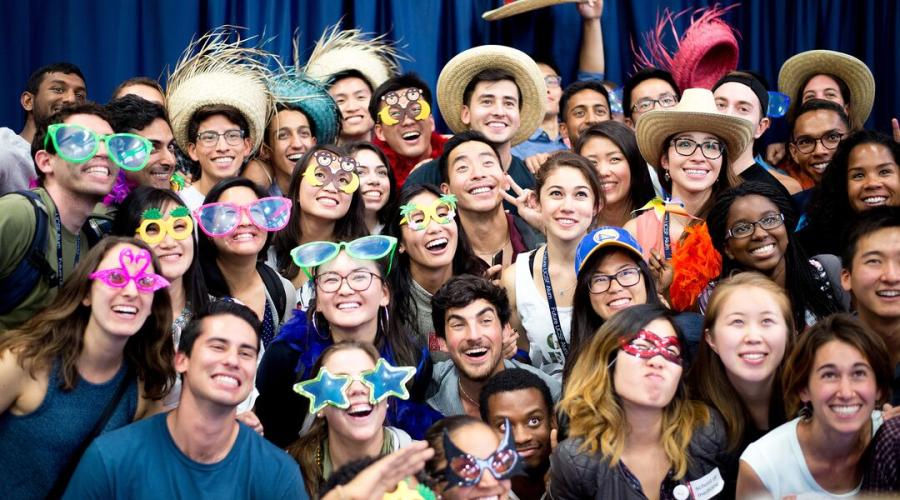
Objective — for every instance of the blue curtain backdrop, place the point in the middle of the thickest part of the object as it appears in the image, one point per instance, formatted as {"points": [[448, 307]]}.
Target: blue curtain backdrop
{"points": [[112, 40]]}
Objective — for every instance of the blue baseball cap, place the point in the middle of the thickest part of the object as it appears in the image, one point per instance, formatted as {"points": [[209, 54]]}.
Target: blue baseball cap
{"points": [[603, 237]]}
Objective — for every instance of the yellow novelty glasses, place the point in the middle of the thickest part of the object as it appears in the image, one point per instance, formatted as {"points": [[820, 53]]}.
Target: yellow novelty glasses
{"points": [[329, 168], [415, 107], [441, 210], [154, 228]]}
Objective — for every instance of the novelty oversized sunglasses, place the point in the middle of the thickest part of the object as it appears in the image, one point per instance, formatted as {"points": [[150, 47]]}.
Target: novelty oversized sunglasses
{"points": [[154, 228], [464, 469], [331, 389], [316, 253], [77, 144], [119, 277], [220, 219]]}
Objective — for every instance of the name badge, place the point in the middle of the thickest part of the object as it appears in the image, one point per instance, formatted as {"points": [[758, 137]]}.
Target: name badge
{"points": [[704, 488]]}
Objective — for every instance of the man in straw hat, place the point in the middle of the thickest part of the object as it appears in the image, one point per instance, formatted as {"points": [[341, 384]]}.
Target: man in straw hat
{"points": [[219, 102], [498, 91], [819, 127], [404, 125], [745, 95], [352, 66]]}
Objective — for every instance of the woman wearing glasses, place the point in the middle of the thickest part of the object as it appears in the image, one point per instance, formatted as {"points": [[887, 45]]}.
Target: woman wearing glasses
{"points": [[750, 226], [352, 301], [633, 432], [237, 220], [102, 344], [327, 206], [689, 144], [863, 174]]}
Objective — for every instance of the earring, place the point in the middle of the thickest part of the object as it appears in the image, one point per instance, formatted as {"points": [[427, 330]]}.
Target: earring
{"points": [[384, 320], [315, 325], [667, 176], [320, 415], [806, 411]]}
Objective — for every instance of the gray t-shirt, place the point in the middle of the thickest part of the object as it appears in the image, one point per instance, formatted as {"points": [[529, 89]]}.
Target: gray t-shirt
{"points": [[16, 165]]}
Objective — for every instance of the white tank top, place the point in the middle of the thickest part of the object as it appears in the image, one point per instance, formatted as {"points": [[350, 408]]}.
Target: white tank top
{"points": [[534, 312]]}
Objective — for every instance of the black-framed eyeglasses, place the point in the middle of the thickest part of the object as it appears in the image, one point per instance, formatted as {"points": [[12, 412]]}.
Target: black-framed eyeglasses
{"points": [[358, 280], [829, 140], [646, 104], [627, 277], [211, 137], [553, 80], [710, 149], [745, 229]]}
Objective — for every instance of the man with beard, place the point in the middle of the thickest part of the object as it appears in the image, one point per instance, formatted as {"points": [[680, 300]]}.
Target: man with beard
{"points": [[30, 275], [583, 104], [521, 398], [817, 131], [404, 125], [470, 313], [135, 115], [48, 89]]}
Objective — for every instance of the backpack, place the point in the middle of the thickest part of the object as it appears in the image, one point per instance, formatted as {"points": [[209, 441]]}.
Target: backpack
{"points": [[34, 266]]}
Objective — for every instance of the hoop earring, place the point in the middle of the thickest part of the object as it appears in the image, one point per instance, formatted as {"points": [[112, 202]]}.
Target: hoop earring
{"points": [[315, 325], [384, 320]]}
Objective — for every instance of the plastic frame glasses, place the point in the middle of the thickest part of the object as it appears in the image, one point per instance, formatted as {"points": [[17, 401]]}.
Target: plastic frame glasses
{"points": [[78, 144], [220, 219]]}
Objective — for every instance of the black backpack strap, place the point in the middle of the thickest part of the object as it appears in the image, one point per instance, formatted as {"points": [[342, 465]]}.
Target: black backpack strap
{"points": [[273, 284], [33, 266], [95, 228]]}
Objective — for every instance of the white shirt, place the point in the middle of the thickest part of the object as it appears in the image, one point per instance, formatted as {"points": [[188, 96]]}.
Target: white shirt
{"points": [[16, 166]]}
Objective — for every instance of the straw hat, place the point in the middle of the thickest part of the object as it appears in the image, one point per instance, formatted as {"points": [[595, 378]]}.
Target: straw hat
{"points": [[514, 7], [460, 70], [801, 67], [696, 111], [296, 90], [343, 50], [216, 71]]}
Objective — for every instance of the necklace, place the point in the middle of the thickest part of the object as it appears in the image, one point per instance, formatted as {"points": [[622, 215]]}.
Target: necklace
{"points": [[466, 396]]}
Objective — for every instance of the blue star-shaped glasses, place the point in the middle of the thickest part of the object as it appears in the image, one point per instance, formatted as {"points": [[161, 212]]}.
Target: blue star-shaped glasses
{"points": [[329, 389]]}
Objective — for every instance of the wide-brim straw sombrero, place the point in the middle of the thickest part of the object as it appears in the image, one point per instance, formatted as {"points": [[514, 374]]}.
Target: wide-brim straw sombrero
{"points": [[460, 70], [295, 90], [215, 71], [695, 112], [343, 50], [514, 7], [797, 70]]}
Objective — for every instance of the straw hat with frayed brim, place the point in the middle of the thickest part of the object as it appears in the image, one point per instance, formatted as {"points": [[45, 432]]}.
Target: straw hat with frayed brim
{"points": [[797, 70], [696, 111], [460, 70], [376, 58], [521, 6], [297, 91], [219, 70]]}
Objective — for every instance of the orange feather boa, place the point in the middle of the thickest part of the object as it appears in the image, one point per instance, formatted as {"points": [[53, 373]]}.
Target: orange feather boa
{"points": [[695, 263]]}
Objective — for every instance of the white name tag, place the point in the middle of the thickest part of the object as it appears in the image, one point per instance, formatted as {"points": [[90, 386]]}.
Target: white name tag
{"points": [[708, 486]]}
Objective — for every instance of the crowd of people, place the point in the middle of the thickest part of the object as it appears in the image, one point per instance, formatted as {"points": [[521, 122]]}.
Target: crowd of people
{"points": [[272, 280]]}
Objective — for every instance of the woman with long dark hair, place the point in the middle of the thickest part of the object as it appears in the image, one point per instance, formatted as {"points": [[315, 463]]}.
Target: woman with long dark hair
{"points": [[751, 227], [376, 182], [106, 334]]}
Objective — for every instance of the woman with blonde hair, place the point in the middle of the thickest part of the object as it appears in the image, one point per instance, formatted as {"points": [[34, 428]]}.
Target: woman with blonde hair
{"points": [[633, 433]]}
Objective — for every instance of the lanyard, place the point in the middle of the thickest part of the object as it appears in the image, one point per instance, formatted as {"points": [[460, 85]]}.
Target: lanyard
{"points": [[667, 240], [59, 252], [551, 301]]}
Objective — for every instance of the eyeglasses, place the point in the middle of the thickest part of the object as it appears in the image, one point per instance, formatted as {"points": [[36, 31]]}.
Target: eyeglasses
{"points": [[745, 229], [358, 280], [710, 149], [154, 228], [77, 144], [646, 104], [220, 219], [829, 140], [119, 277], [210, 138], [316, 253], [553, 81], [627, 277]]}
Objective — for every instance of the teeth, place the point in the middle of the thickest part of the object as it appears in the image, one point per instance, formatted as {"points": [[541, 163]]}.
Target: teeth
{"points": [[243, 237], [372, 195], [695, 172], [608, 186], [888, 293], [567, 222], [358, 409], [353, 119], [225, 160], [330, 202], [619, 302], [478, 351], [410, 136], [480, 190], [497, 125], [756, 356], [346, 306], [100, 169], [295, 157], [846, 409], [225, 379], [125, 309], [819, 167], [763, 249], [172, 257], [436, 243], [875, 200]]}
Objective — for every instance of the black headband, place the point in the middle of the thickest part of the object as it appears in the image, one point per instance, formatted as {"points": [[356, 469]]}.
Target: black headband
{"points": [[755, 85]]}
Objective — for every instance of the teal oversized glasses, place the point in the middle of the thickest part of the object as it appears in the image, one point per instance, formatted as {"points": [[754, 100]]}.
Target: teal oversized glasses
{"points": [[77, 144], [316, 253]]}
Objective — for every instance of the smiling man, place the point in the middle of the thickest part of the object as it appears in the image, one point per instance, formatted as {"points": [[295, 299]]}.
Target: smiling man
{"points": [[199, 448], [58, 211], [404, 125], [135, 115], [817, 131], [521, 398], [470, 312]]}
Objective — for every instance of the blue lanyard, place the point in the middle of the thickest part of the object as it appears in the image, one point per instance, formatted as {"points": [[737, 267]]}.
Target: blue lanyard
{"points": [[60, 278], [551, 301]]}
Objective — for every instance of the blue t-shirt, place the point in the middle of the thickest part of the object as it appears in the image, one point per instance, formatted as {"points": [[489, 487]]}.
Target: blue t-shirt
{"points": [[142, 461]]}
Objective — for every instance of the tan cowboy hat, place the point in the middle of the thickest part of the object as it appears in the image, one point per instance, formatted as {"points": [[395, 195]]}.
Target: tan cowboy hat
{"points": [[514, 7], [460, 70], [215, 70], [797, 70], [696, 111]]}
